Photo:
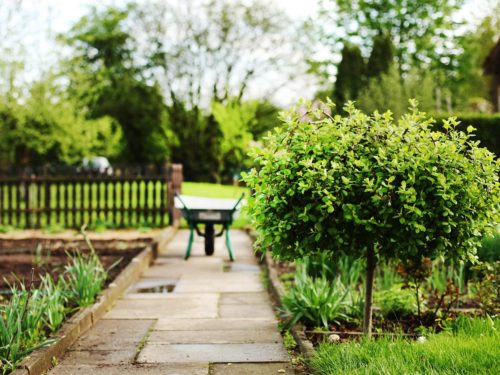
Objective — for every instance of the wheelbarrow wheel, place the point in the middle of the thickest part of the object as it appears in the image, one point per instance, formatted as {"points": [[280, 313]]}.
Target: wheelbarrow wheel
{"points": [[209, 239]]}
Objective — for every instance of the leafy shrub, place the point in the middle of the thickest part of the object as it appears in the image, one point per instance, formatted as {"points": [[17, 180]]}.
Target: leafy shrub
{"points": [[387, 277], [316, 301], [100, 225], [487, 125], [372, 188], [490, 249], [53, 228], [486, 277], [396, 301], [6, 228]]}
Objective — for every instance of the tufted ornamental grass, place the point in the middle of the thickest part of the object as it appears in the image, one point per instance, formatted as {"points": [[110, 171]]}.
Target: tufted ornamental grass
{"points": [[468, 346]]}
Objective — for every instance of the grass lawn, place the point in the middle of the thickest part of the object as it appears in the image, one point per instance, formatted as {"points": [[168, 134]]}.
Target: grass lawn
{"points": [[473, 348], [203, 189]]}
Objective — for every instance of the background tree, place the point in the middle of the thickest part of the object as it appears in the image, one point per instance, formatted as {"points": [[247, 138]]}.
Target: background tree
{"points": [[381, 57], [420, 30], [216, 51], [235, 121], [350, 75], [388, 91], [373, 188], [198, 142], [476, 44], [49, 129], [107, 80]]}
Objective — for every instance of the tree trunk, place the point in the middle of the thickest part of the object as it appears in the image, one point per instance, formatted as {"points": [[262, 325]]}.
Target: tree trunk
{"points": [[371, 263]]}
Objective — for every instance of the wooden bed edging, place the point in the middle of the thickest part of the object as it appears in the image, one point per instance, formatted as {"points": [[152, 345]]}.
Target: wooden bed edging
{"points": [[277, 291], [41, 360]]}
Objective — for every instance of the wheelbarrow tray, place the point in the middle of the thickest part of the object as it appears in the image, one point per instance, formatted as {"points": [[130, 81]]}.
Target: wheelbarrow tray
{"points": [[211, 210], [208, 212]]}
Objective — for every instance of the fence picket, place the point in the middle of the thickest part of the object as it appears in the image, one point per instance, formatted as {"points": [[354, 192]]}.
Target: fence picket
{"points": [[130, 197]]}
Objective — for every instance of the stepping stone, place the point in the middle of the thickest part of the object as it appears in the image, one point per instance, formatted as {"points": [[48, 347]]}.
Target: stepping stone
{"points": [[183, 353], [252, 369], [215, 337], [166, 324]]}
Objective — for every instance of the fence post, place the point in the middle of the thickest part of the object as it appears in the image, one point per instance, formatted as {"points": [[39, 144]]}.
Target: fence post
{"points": [[174, 185]]}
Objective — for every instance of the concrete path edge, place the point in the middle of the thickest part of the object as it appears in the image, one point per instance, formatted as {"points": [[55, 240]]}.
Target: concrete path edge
{"points": [[41, 360]]}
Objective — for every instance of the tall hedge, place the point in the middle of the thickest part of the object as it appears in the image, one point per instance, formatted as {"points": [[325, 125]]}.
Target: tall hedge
{"points": [[487, 125]]}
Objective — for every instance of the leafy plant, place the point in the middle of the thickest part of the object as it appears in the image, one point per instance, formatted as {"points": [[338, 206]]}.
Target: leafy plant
{"points": [[85, 277], [387, 277], [21, 326], [490, 249], [100, 225], [30, 314], [6, 228], [316, 301], [396, 301], [53, 228], [55, 300], [487, 285], [373, 188]]}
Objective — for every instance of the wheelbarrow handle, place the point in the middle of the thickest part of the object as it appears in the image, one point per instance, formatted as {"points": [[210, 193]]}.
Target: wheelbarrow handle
{"points": [[238, 202], [178, 196]]}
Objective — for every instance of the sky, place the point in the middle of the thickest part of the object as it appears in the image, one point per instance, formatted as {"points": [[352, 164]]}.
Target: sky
{"points": [[48, 18]]}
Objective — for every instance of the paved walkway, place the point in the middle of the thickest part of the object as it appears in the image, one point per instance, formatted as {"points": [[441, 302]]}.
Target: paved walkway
{"points": [[201, 316]]}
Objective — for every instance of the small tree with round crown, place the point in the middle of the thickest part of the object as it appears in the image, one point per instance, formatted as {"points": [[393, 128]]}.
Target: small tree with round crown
{"points": [[372, 188]]}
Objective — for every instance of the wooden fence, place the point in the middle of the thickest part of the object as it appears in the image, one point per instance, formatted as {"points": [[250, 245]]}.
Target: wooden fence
{"points": [[127, 197]]}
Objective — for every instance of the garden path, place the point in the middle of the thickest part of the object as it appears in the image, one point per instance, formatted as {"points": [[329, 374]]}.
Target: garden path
{"points": [[217, 319]]}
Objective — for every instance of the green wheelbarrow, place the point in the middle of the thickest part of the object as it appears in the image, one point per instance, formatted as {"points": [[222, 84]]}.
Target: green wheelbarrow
{"points": [[208, 212]]}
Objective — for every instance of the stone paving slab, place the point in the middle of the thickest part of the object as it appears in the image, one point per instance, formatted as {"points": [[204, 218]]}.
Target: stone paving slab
{"points": [[241, 267], [261, 352], [99, 357], [174, 267], [114, 335], [246, 311], [167, 324], [215, 337], [218, 313], [169, 305], [151, 283], [158, 369], [252, 369], [244, 298], [226, 282]]}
